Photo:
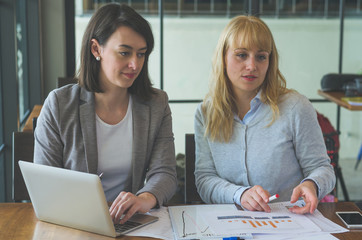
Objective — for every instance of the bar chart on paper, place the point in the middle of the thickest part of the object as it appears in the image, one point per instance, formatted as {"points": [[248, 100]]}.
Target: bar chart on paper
{"points": [[272, 222], [259, 222]]}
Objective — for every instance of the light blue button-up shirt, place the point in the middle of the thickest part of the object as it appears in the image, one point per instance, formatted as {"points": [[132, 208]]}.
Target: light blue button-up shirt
{"points": [[254, 106], [277, 157]]}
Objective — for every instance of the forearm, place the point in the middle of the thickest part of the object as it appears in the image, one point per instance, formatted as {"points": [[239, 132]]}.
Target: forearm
{"points": [[162, 186], [213, 189]]}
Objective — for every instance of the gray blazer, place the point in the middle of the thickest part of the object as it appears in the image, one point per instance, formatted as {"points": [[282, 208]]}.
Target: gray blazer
{"points": [[65, 136]]}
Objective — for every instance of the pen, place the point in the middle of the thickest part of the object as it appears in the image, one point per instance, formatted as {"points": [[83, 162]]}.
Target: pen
{"points": [[232, 238], [273, 197], [100, 175]]}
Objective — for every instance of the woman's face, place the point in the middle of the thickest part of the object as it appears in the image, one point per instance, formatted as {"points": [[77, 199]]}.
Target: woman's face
{"points": [[246, 69], [122, 58]]}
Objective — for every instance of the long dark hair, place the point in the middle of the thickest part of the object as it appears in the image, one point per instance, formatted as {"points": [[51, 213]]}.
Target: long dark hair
{"points": [[105, 21]]}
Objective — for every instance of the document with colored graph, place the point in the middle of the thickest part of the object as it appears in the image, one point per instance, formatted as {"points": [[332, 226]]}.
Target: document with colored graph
{"points": [[259, 222]]}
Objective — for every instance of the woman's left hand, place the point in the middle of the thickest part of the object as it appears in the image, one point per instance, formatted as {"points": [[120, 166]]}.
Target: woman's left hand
{"points": [[308, 191], [126, 204]]}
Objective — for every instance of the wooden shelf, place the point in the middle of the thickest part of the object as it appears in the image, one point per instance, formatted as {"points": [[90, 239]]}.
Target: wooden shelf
{"points": [[336, 97]]}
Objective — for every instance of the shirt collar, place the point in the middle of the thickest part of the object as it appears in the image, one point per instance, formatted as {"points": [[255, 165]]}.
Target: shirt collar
{"points": [[254, 105]]}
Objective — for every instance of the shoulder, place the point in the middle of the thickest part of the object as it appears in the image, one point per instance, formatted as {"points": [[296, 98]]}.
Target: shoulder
{"points": [[65, 93], [157, 98], [199, 114], [294, 101], [296, 105], [199, 110], [156, 106], [159, 95], [67, 98], [70, 93]]}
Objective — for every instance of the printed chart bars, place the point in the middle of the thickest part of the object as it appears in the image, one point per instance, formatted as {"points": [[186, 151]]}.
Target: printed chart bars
{"points": [[272, 222]]}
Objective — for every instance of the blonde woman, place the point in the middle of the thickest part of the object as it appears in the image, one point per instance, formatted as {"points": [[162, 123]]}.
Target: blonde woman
{"points": [[254, 137]]}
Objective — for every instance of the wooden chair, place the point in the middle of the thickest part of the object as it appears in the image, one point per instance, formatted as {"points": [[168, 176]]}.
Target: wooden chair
{"points": [[62, 81], [23, 149], [191, 194]]}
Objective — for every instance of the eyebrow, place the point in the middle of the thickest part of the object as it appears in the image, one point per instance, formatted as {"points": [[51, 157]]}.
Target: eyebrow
{"points": [[129, 47], [236, 49], [245, 49]]}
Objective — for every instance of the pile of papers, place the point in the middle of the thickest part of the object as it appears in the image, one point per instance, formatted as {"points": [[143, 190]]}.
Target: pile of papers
{"points": [[218, 221]]}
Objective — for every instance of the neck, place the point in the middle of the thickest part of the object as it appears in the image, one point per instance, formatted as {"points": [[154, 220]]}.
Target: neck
{"points": [[243, 103], [112, 100], [112, 107]]}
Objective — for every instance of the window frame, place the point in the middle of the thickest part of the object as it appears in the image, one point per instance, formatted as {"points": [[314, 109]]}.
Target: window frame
{"points": [[9, 102]]}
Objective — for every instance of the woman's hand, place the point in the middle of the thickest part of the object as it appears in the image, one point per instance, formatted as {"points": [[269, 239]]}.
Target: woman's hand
{"points": [[308, 191], [255, 199], [127, 204]]}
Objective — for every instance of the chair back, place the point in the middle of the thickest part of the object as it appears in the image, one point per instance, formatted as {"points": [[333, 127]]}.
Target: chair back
{"points": [[191, 194], [23, 149]]}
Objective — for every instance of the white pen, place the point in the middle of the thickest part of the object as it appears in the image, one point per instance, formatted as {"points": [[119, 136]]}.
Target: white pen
{"points": [[273, 197], [100, 175]]}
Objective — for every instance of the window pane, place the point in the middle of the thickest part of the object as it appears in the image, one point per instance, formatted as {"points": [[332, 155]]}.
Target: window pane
{"points": [[189, 44], [22, 59], [2, 146], [308, 49]]}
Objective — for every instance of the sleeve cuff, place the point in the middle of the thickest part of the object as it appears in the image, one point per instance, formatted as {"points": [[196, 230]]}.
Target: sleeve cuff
{"points": [[238, 193], [316, 183]]}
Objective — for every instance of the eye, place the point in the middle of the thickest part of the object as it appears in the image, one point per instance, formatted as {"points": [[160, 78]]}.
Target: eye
{"points": [[242, 55], [141, 55], [124, 53], [262, 57]]}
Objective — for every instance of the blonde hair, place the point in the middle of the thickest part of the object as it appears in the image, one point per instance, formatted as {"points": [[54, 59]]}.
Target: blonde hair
{"points": [[219, 104]]}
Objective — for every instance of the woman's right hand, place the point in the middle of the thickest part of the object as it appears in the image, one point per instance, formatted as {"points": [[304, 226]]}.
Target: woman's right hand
{"points": [[127, 204], [255, 199]]}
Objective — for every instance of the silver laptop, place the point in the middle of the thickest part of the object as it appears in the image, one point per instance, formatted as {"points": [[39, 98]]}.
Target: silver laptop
{"points": [[74, 199]]}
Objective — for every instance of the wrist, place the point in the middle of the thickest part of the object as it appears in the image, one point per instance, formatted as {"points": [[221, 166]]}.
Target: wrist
{"points": [[311, 183], [149, 199]]}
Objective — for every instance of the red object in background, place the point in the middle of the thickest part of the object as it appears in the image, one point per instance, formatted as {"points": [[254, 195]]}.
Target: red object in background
{"points": [[331, 138]]}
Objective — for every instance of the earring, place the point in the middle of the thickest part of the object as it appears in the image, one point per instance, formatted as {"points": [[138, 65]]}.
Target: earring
{"points": [[98, 58]]}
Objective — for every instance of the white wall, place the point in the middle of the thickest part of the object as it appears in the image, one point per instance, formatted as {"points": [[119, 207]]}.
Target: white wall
{"points": [[308, 49]]}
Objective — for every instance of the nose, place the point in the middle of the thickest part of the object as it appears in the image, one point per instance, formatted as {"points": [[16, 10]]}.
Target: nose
{"points": [[135, 62], [251, 64], [132, 64]]}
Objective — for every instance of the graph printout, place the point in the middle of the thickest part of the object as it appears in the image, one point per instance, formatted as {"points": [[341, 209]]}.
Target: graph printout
{"points": [[259, 222], [188, 222]]}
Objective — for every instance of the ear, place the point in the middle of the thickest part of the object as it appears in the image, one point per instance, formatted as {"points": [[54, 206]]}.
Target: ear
{"points": [[95, 48]]}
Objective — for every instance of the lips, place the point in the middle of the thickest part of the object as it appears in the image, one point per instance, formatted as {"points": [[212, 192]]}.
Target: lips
{"points": [[130, 75], [249, 77]]}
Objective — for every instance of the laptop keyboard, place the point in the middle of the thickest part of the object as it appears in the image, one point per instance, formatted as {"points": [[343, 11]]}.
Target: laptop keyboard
{"points": [[126, 226]]}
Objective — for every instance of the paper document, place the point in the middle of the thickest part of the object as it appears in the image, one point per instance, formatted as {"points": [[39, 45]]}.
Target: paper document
{"points": [[304, 236], [277, 221], [160, 229], [188, 222], [317, 217]]}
